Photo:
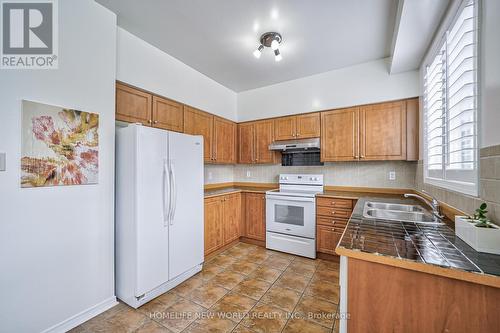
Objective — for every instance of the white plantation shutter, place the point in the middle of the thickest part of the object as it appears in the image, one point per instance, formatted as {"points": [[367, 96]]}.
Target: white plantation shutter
{"points": [[450, 107]]}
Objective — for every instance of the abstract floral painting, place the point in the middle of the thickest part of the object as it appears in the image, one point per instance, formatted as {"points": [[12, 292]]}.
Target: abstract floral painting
{"points": [[59, 146]]}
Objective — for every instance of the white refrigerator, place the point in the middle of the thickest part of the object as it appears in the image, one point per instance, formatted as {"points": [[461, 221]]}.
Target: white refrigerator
{"points": [[159, 211]]}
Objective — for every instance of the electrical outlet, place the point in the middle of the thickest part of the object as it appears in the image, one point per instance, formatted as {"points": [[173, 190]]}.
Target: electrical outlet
{"points": [[249, 174], [392, 175], [210, 175], [2, 161]]}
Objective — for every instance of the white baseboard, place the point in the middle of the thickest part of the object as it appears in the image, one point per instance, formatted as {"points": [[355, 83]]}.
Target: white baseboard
{"points": [[82, 317]]}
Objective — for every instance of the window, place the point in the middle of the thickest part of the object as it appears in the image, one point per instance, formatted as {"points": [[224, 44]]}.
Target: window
{"points": [[450, 106]]}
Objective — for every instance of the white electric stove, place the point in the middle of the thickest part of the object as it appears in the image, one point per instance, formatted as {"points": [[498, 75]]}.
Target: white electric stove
{"points": [[291, 214]]}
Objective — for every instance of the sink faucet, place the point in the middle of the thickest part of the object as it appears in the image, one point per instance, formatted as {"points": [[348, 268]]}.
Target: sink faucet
{"points": [[434, 204]]}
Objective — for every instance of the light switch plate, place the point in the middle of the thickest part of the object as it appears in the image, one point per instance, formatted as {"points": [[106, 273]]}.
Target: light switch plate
{"points": [[2, 162], [248, 174], [392, 175]]}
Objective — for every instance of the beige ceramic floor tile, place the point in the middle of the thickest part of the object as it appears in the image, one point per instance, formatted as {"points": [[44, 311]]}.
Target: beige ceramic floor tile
{"points": [[243, 267], [299, 325], [159, 304], [252, 288], [266, 319], [128, 320], [212, 324], [152, 327], [227, 279], [326, 264], [325, 290], [186, 287], [233, 306], [181, 315], [307, 261], [317, 310], [285, 299], [242, 329], [222, 260], [265, 273], [326, 275], [207, 295], [301, 269], [277, 263], [293, 281], [209, 271]]}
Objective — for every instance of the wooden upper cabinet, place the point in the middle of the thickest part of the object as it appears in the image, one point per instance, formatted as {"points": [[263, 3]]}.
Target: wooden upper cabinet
{"points": [[254, 139], [200, 123], [412, 129], [224, 145], [383, 131], [133, 105], [255, 216], [264, 135], [213, 230], [246, 143], [232, 217], [297, 127], [284, 128], [308, 126], [168, 114], [339, 135]]}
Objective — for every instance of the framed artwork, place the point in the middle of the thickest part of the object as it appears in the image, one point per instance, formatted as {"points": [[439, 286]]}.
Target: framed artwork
{"points": [[59, 146]]}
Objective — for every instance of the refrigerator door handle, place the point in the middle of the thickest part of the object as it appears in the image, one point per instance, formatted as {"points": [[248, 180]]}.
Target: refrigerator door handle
{"points": [[166, 189], [173, 194]]}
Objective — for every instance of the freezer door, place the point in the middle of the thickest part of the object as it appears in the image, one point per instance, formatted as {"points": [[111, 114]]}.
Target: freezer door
{"points": [[151, 228], [186, 214]]}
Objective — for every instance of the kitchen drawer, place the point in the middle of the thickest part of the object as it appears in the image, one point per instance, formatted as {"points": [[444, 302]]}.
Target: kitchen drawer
{"points": [[331, 222], [334, 202], [333, 212]]}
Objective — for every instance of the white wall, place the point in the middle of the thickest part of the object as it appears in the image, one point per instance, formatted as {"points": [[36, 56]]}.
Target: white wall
{"points": [[145, 66], [361, 84], [56, 244], [490, 73]]}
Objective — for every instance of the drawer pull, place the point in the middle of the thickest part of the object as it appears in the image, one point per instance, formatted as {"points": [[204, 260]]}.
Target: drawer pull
{"points": [[333, 212], [333, 202]]}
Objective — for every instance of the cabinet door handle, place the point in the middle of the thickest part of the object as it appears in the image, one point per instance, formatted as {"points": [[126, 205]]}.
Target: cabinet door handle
{"points": [[333, 212], [156, 121], [333, 202], [149, 121]]}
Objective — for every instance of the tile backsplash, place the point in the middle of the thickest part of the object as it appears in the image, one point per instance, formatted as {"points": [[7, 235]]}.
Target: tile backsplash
{"points": [[489, 186], [368, 174]]}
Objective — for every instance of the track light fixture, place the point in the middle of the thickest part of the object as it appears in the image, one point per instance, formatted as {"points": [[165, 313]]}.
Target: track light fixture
{"points": [[272, 40]]}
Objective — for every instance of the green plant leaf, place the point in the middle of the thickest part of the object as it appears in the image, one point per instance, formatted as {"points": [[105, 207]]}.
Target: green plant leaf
{"points": [[483, 206]]}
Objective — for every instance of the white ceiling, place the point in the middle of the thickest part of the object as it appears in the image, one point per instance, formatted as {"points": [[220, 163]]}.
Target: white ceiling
{"points": [[416, 23], [217, 38]]}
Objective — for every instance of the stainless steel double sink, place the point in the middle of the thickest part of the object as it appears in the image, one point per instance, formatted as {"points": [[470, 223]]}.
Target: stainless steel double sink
{"points": [[399, 212]]}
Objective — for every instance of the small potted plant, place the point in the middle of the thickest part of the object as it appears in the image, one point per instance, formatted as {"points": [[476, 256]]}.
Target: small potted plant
{"points": [[478, 231]]}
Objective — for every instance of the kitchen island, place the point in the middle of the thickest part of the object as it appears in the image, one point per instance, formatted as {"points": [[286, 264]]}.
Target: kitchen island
{"points": [[409, 277]]}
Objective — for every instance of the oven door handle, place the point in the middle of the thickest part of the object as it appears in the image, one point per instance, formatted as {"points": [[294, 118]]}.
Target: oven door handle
{"points": [[283, 198]]}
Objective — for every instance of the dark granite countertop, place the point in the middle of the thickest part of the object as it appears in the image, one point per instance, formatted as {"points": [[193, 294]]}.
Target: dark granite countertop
{"points": [[427, 244]]}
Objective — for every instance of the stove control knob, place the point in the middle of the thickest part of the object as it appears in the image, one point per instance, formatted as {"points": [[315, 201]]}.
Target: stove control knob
{"points": [[286, 178]]}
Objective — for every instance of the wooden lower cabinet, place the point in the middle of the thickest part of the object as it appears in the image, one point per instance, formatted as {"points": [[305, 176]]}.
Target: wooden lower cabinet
{"points": [[213, 224], [383, 298], [255, 216], [326, 239], [232, 217], [332, 215]]}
